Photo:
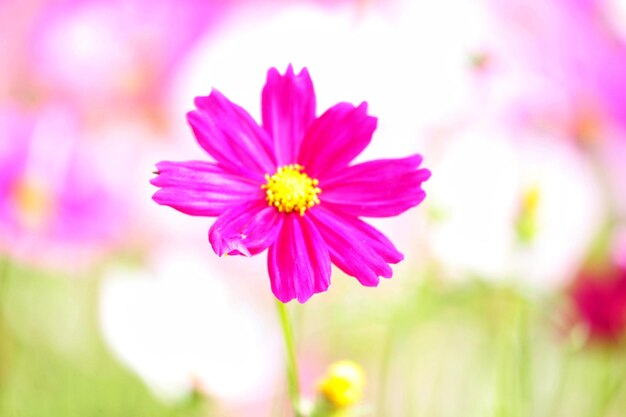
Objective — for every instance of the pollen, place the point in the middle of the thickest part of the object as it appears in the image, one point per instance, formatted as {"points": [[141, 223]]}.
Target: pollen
{"points": [[291, 189]]}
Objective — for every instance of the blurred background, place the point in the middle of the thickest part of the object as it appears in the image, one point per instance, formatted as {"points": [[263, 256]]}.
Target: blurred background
{"points": [[511, 300]]}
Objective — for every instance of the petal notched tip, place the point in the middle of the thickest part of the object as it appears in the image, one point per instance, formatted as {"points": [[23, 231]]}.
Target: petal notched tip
{"points": [[274, 73], [230, 247], [204, 102], [285, 297], [424, 174], [159, 169], [302, 297], [245, 230], [156, 197], [227, 245], [368, 122], [301, 79]]}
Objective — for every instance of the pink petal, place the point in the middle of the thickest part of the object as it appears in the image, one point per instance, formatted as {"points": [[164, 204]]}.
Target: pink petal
{"points": [[298, 263], [355, 247], [288, 108], [381, 188], [230, 135], [335, 139], [202, 188], [245, 230]]}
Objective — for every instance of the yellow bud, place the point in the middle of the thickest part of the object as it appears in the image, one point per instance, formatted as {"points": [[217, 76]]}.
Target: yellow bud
{"points": [[530, 199], [526, 224], [343, 384]]}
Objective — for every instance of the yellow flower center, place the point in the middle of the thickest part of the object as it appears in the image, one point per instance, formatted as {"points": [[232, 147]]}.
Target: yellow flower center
{"points": [[290, 189]]}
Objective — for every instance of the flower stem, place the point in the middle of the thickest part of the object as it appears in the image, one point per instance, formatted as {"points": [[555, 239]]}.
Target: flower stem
{"points": [[385, 369], [292, 367], [513, 372], [564, 376], [609, 386], [5, 271]]}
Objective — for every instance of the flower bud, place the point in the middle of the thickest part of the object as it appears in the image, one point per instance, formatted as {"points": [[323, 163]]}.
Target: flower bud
{"points": [[343, 384]]}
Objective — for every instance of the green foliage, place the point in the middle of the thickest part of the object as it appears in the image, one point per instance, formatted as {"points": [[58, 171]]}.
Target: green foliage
{"points": [[54, 362]]}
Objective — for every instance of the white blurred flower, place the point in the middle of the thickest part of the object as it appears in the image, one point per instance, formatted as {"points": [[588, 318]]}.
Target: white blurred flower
{"points": [[612, 154], [412, 71], [181, 328], [615, 14], [482, 185]]}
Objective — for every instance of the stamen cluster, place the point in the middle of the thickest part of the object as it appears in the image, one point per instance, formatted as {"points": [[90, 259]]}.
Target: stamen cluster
{"points": [[290, 189]]}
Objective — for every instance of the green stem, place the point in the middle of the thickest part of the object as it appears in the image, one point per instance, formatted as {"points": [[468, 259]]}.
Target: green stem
{"points": [[292, 367], [385, 370], [524, 357], [563, 378], [609, 386], [5, 271], [513, 367], [503, 401]]}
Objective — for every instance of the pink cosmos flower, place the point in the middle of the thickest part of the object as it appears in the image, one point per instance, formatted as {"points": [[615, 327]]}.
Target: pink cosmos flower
{"points": [[55, 205], [288, 186], [99, 50], [582, 59]]}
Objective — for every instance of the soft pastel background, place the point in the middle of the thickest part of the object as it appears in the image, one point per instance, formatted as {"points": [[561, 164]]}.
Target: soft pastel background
{"points": [[512, 297]]}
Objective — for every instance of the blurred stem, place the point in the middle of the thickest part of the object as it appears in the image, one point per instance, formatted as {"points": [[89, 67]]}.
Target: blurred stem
{"points": [[401, 322], [506, 353], [609, 387], [564, 376], [513, 368], [291, 364], [524, 358], [397, 329], [385, 368], [5, 271]]}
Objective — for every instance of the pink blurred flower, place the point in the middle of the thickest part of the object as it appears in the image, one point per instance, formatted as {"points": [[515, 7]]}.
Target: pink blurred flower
{"points": [[600, 302], [287, 186], [582, 59], [53, 201], [101, 50], [15, 19]]}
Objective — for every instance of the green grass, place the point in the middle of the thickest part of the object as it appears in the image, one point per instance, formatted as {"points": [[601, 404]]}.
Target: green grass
{"points": [[53, 361]]}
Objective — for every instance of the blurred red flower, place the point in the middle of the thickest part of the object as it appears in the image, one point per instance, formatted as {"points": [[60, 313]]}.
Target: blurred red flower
{"points": [[600, 302]]}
